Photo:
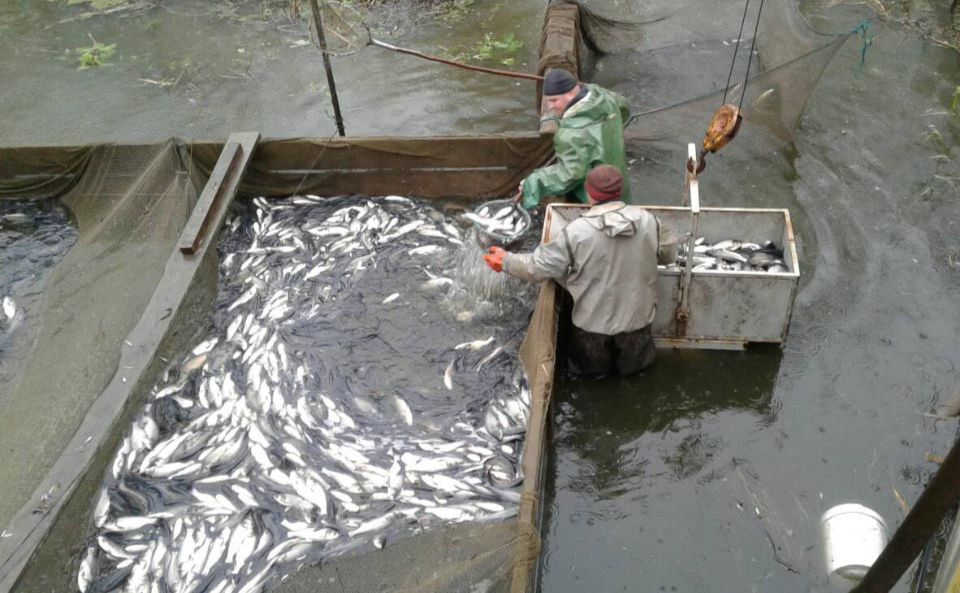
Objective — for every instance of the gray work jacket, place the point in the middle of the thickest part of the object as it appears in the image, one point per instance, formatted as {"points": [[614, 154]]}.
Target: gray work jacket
{"points": [[607, 260]]}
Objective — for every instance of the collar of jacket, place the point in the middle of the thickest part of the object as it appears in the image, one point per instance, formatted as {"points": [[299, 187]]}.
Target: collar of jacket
{"points": [[611, 218], [582, 100], [601, 209], [584, 92]]}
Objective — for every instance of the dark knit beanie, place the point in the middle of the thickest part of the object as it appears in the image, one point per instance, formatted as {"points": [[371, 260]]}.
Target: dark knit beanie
{"points": [[604, 183], [558, 82]]}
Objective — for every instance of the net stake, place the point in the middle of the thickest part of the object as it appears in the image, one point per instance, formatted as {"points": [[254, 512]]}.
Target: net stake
{"points": [[331, 84]]}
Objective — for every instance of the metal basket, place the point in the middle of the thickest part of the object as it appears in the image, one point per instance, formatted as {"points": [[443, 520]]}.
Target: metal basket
{"points": [[488, 239]]}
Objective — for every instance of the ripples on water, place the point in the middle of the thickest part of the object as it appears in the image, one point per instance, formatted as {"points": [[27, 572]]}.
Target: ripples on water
{"points": [[346, 397]]}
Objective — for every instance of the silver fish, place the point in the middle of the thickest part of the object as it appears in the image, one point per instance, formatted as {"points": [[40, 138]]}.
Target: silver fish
{"points": [[727, 255], [9, 307], [436, 283], [378, 524], [425, 250], [101, 512], [88, 570], [403, 409], [474, 345], [205, 346], [448, 376]]}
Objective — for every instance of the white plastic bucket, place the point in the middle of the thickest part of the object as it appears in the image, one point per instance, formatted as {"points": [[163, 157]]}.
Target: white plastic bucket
{"points": [[853, 536]]}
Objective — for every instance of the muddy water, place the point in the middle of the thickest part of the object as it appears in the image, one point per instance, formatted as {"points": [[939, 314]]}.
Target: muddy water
{"points": [[710, 472], [198, 69]]}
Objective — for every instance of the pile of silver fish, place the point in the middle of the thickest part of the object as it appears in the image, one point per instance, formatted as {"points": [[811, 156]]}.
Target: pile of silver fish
{"points": [[326, 413], [506, 221], [731, 255]]}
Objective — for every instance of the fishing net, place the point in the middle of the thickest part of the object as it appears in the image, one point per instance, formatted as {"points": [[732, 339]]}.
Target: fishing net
{"points": [[128, 204], [603, 34], [34, 236], [678, 77]]}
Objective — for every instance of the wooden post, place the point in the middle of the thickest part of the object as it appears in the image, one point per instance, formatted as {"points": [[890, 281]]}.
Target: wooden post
{"points": [[917, 527], [224, 181], [331, 84]]}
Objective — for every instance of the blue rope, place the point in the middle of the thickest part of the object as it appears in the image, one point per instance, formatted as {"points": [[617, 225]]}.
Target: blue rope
{"points": [[866, 40]]}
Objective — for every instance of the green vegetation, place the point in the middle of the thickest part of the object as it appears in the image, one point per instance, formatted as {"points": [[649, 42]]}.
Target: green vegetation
{"points": [[502, 49], [96, 55], [453, 9], [946, 177], [99, 4], [934, 138], [955, 103]]}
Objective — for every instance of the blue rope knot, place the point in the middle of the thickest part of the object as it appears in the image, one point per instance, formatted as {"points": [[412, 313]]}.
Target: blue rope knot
{"points": [[866, 40]]}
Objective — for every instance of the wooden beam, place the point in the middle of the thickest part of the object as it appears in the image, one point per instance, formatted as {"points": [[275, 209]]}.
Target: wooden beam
{"points": [[220, 190], [940, 495]]}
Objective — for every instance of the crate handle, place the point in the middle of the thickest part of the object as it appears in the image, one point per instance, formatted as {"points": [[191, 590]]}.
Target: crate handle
{"points": [[691, 195]]}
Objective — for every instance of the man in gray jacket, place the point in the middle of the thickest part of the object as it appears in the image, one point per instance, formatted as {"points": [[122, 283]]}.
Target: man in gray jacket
{"points": [[607, 260]]}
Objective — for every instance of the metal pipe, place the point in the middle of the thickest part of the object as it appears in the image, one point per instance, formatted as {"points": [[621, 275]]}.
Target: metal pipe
{"points": [[331, 84], [917, 527]]}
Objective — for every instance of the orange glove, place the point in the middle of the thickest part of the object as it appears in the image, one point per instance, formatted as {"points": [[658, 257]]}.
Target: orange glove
{"points": [[494, 258]]}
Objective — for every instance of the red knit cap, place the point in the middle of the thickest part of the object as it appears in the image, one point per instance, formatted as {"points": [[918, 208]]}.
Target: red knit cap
{"points": [[604, 183]]}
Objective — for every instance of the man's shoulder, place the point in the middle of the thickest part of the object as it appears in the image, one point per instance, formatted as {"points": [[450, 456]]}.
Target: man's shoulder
{"points": [[640, 214], [604, 96], [580, 228], [595, 108], [638, 211]]}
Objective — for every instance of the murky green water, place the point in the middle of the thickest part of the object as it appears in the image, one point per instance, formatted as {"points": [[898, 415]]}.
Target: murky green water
{"points": [[198, 69], [654, 483], [711, 472]]}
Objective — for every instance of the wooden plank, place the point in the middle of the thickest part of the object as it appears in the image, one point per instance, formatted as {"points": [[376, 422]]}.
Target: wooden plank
{"points": [[699, 343], [29, 527], [560, 41], [389, 152], [940, 495], [538, 354], [221, 188], [423, 184]]}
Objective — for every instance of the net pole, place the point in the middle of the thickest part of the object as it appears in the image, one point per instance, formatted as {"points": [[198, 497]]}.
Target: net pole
{"points": [[331, 84]]}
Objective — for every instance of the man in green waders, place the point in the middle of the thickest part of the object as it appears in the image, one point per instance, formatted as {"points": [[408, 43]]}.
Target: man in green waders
{"points": [[589, 133]]}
